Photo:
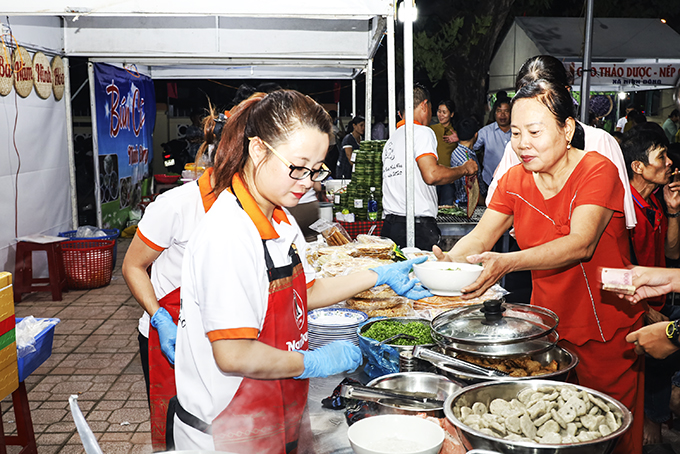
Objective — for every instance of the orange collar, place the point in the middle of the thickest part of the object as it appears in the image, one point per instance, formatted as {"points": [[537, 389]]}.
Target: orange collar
{"points": [[266, 229], [403, 122], [207, 195]]}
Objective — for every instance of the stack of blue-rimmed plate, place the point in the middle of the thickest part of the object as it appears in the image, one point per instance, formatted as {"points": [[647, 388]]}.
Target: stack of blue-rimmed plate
{"points": [[333, 324]]}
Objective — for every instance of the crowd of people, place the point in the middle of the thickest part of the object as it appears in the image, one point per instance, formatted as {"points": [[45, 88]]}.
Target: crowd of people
{"points": [[228, 370]]}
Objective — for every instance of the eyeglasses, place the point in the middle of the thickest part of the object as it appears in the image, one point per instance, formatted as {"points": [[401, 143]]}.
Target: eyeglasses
{"points": [[299, 172]]}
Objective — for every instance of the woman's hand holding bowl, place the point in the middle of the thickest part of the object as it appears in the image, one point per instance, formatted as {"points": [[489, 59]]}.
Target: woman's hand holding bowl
{"points": [[496, 266]]}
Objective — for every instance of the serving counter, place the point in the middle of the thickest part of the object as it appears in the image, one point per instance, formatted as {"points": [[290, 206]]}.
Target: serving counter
{"points": [[328, 427]]}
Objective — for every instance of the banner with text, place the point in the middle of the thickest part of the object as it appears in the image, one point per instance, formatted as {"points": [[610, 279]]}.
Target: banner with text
{"points": [[126, 113], [628, 75]]}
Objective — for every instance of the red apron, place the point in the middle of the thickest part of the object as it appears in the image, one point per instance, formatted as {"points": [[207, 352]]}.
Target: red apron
{"points": [[264, 415], [161, 375]]}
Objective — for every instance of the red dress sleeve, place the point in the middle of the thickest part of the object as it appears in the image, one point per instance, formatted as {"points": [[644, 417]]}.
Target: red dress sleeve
{"points": [[599, 184]]}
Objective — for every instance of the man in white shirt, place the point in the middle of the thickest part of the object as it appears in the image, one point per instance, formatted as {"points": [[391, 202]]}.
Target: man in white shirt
{"points": [[429, 174], [623, 120]]}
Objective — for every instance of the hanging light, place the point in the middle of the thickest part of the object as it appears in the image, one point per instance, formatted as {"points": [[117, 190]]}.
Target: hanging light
{"points": [[623, 95], [407, 11]]}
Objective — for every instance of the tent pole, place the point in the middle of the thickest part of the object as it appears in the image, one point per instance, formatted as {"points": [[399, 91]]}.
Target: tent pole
{"points": [[69, 144], [95, 144], [354, 98], [409, 6], [587, 57], [391, 84], [369, 99]]}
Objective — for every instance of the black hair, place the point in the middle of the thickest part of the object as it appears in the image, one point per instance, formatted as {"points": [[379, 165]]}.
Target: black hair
{"points": [[637, 117], [467, 128], [354, 121], [268, 87], [638, 142], [618, 135], [420, 94], [243, 92], [674, 113], [554, 96], [449, 104], [542, 67]]}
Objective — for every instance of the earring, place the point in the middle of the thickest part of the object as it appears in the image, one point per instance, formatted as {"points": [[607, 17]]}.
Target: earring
{"points": [[568, 145]]}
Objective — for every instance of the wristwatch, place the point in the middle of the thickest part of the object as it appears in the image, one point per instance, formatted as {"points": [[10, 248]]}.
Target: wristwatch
{"points": [[673, 332], [673, 215]]}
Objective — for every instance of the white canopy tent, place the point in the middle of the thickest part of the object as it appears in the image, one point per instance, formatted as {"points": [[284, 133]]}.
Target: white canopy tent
{"points": [[620, 42], [175, 39]]}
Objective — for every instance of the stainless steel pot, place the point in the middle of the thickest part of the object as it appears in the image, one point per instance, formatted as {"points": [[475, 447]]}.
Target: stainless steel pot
{"points": [[566, 361], [486, 392], [423, 382], [496, 329]]}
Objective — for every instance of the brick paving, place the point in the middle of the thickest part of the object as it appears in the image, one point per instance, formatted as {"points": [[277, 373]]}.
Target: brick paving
{"points": [[95, 355]]}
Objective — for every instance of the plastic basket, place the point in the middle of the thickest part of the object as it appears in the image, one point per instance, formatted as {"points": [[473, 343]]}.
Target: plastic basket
{"points": [[87, 263], [43, 350], [111, 234]]}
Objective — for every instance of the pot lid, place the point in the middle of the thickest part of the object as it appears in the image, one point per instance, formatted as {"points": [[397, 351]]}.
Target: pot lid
{"points": [[482, 327]]}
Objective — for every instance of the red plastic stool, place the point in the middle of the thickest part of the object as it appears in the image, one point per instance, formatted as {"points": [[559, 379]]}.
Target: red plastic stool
{"points": [[24, 282], [25, 436]]}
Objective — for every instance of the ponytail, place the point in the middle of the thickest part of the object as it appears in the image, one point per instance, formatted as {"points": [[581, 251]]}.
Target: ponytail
{"points": [[232, 150], [212, 129]]}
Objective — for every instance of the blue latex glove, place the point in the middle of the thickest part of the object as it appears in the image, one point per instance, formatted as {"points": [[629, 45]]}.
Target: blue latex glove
{"points": [[331, 359], [396, 275], [167, 332], [418, 292]]}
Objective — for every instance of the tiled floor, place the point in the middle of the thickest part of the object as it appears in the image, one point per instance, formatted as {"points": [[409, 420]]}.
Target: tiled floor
{"points": [[95, 355]]}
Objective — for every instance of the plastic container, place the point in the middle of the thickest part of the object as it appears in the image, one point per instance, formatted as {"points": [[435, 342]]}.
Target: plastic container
{"points": [[43, 350], [166, 179], [87, 263], [111, 234]]}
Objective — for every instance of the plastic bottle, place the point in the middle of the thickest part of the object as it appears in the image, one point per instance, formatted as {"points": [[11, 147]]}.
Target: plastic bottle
{"points": [[372, 211]]}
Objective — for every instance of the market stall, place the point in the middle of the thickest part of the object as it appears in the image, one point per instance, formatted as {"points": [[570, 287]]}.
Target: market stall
{"points": [[260, 39]]}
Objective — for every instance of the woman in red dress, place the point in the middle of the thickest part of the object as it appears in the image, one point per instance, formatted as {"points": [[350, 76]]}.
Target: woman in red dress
{"points": [[566, 206]]}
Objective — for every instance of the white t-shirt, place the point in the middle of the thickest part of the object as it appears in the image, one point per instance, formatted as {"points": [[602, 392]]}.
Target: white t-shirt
{"points": [[621, 123], [394, 172], [595, 140], [167, 224], [224, 288]]}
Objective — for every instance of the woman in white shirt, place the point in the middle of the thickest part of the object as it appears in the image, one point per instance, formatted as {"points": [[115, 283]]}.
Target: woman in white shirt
{"points": [[242, 362]]}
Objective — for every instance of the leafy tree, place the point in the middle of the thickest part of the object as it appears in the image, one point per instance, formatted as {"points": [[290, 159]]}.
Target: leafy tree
{"points": [[454, 40]]}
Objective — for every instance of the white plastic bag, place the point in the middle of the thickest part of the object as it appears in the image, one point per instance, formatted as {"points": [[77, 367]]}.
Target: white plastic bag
{"points": [[26, 332], [88, 231]]}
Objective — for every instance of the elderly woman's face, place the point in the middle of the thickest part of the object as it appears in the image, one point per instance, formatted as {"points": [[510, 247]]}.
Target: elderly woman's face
{"points": [[537, 139]]}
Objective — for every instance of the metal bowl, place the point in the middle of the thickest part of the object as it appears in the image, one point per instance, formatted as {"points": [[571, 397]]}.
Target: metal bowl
{"points": [[416, 382], [566, 361], [486, 392], [400, 348]]}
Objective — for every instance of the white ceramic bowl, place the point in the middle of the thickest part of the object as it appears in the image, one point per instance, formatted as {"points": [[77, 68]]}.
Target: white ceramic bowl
{"points": [[447, 278], [395, 434]]}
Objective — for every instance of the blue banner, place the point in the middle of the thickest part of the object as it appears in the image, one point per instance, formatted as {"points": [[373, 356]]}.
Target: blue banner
{"points": [[126, 113]]}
